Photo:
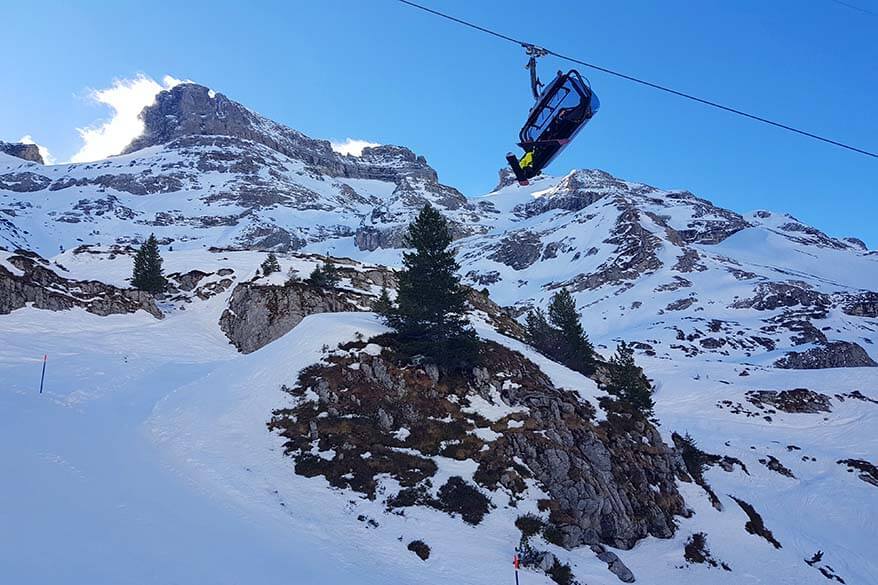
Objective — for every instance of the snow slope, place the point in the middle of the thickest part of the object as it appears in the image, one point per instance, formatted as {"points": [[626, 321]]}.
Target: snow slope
{"points": [[147, 460]]}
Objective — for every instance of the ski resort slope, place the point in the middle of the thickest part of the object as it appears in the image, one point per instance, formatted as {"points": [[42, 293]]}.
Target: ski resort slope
{"points": [[155, 465], [147, 460], [100, 487]]}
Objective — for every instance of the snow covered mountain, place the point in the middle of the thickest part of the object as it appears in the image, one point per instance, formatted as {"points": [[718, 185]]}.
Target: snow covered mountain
{"points": [[208, 172], [150, 442]]}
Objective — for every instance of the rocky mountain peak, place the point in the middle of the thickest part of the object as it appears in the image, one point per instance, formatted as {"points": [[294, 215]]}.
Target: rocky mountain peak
{"points": [[30, 152], [190, 110]]}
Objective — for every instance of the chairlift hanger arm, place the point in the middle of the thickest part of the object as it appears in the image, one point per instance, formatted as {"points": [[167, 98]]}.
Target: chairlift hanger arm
{"points": [[534, 52]]}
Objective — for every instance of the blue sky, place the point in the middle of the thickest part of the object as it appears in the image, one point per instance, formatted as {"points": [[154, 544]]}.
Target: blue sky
{"points": [[380, 71]]}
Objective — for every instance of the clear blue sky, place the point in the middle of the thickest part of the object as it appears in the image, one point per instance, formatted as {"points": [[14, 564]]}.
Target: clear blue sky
{"points": [[377, 70]]}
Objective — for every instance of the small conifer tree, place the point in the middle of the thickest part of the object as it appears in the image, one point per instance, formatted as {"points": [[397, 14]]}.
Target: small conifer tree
{"points": [[430, 314], [383, 305], [577, 353], [270, 265], [147, 275], [330, 273], [628, 382], [325, 276], [542, 335]]}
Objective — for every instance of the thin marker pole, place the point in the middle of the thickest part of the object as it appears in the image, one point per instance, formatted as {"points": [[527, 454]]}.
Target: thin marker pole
{"points": [[43, 375]]}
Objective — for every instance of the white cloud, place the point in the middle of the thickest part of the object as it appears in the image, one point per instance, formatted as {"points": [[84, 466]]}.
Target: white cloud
{"points": [[44, 152], [126, 98], [352, 146]]}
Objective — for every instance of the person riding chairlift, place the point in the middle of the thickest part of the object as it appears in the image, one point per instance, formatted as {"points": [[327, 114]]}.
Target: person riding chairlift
{"points": [[550, 127]]}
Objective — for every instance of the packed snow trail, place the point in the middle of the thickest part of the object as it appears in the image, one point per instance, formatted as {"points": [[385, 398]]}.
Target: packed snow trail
{"points": [[92, 496], [148, 460]]}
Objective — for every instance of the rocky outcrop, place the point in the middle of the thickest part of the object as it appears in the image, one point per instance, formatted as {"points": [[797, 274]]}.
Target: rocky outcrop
{"points": [[799, 400], [28, 280], [24, 182], [610, 482], [776, 295], [635, 254], [805, 234], [29, 152], [856, 243], [832, 354], [862, 305], [506, 177], [141, 184], [370, 238], [258, 314], [518, 250], [576, 191], [868, 472]]}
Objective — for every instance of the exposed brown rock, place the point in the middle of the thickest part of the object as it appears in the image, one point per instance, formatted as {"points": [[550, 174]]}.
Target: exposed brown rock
{"points": [[41, 287]]}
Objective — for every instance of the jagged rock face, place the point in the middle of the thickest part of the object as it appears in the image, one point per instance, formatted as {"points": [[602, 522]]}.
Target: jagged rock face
{"points": [[574, 192], [29, 152], [189, 110], [862, 305], [834, 354], [27, 279], [777, 295], [259, 314], [799, 400], [24, 182], [505, 179], [600, 477], [857, 243], [634, 255], [518, 250], [611, 482]]}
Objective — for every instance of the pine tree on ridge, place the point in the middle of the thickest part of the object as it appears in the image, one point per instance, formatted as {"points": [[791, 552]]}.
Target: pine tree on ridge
{"points": [[430, 314], [147, 274]]}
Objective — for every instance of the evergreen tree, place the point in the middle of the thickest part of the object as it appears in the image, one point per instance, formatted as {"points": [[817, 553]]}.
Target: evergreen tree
{"points": [[325, 276], [430, 316], [576, 352], [147, 274], [540, 334], [383, 305], [330, 274], [628, 382], [270, 265]]}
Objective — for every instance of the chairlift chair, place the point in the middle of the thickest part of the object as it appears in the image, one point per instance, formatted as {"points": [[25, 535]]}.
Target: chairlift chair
{"points": [[561, 110]]}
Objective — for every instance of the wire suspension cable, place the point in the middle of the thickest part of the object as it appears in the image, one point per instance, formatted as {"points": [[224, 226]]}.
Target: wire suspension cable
{"points": [[643, 82], [854, 7]]}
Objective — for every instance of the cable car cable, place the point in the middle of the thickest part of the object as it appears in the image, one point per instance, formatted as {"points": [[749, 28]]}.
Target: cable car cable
{"points": [[855, 7], [643, 82]]}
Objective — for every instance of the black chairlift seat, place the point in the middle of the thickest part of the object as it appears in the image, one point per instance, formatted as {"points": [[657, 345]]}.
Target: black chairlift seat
{"points": [[563, 108]]}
